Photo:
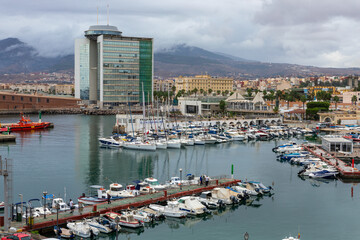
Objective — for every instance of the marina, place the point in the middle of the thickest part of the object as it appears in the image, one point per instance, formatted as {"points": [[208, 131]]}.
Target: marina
{"points": [[87, 164]]}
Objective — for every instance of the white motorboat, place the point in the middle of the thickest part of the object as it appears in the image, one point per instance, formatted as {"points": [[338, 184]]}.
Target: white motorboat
{"points": [[171, 210], [95, 223], [323, 174], [62, 205], [206, 199], [153, 182], [38, 208], [291, 238], [117, 191], [138, 145], [141, 216], [81, 229], [246, 189], [312, 168], [190, 205], [235, 136], [125, 219], [187, 141], [64, 233], [110, 142], [144, 188]]}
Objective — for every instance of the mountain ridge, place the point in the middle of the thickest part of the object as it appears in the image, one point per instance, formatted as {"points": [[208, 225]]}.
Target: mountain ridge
{"points": [[18, 57]]}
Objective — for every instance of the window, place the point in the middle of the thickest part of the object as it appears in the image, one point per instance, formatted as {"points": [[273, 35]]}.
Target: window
{"points": [[22, 98], [30, 99], [4, 97], [47, 100], [12, 98], [39, 99]]}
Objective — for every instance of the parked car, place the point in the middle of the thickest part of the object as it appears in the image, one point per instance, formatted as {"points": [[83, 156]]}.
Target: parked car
{"points": [[17, 236]]}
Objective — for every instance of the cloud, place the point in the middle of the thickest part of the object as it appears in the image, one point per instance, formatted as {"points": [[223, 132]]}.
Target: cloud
{"points": [[321, 33]]}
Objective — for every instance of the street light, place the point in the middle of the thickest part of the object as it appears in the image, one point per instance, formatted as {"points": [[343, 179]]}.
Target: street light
{"points": [[117, 220], [45, 193], [180, 178], [21, 201], [57, 206]]}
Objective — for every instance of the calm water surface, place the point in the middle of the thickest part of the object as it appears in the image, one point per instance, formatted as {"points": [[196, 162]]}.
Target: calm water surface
{"points": [[67, 159]]}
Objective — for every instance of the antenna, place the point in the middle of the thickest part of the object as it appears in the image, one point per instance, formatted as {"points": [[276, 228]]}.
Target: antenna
{"points": [[108, 14], [97, 15]]}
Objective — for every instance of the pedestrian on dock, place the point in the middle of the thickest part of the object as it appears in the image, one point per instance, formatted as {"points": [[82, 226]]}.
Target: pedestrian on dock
{"points": [[71, 204], [201, 180], [207, 180], [108, 198]]}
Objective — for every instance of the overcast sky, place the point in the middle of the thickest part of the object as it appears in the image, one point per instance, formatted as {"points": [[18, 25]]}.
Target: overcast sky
{"points": [[307, 32]]}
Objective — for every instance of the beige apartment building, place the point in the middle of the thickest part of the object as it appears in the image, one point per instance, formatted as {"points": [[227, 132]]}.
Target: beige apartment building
{"points": [[204, 82]]}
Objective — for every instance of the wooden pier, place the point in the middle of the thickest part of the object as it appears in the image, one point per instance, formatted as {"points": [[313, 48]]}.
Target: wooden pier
{"points": [[7, 138], [118, 205], [345, 170]]}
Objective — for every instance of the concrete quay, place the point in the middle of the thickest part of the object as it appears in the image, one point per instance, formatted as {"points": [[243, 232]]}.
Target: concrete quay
{"points": [[7, 138]]}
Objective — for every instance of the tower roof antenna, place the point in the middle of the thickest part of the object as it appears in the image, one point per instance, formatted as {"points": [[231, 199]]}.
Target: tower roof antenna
{"points": [[108, 14]]}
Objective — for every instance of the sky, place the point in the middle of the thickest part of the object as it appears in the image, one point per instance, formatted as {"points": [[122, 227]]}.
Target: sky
{"points": [[320, 33]]}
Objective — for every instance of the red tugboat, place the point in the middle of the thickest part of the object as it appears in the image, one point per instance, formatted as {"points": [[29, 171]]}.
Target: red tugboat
{"points": [[26, 124]]}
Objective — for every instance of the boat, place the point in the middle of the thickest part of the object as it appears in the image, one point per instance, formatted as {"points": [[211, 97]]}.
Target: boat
{"points": [[190, 205], [246, 189], [38, 209], [26, 124], [95, 199], [82, 229], [63, 232], [117, 191], [323, 174], [60, 203], [139, 145], [224, 195], [174, 143], [291, 238], [98, 223], [170, 210], [141, 216], [206, 199], [110, 142], [260, 186], [153, 182], [124, 219]]}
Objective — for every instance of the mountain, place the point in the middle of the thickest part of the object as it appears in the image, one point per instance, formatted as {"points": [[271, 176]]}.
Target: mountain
{"points": [[18, 57], [188, 60]]}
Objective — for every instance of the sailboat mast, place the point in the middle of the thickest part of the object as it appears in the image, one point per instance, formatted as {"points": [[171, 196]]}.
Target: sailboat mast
{"points": [[144, 119]]}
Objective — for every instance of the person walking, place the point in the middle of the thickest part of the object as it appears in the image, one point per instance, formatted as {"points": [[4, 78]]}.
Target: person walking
{"points": [[71, 204], [207, 180], [108, 198], [201, 180]]}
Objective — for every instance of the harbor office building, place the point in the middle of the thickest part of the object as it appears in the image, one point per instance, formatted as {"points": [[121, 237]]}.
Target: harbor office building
{"points": [[111, 69], [334, 143]]}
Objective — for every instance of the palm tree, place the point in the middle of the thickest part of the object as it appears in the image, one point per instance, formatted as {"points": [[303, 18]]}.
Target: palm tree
{"points": [[202, 91], [249, 92], [354, 99], [218, 92], [336, 100], [195, 90], [210, 90]]}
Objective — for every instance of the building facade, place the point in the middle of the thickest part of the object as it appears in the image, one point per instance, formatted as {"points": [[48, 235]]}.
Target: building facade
{"points": [[111, 69], [347, 97], [204, 82]]}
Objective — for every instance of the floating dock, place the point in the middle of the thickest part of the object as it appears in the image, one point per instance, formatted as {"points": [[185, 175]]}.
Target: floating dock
{"points": [[345, 171], [7, 138], [118, 205]]}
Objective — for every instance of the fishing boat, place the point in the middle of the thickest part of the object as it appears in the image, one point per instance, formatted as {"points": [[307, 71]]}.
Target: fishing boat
{"points": [[117, 191], [94, 199], [153, 182], [26, 124]]}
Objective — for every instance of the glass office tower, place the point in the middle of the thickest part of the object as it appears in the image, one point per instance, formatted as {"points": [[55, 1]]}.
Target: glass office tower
{"points": [[113, 69]]}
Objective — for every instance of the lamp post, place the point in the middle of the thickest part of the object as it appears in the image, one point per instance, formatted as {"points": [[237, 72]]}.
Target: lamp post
{"points": [[21, 201], [44, 193], [180, 178], [117, 220], [57, 206]]}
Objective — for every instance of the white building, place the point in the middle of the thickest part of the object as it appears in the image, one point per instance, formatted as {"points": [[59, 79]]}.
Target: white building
{"points": [[335, 143]]}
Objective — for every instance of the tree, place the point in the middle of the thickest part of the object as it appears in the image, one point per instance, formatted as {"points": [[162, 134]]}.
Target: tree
{"points": [[249, 92], [173, 89], [222, 106], [303, 99], [218, 92], [210, 90], [226, 92], [354, 99], [312, 109], [195, 90], [336, 100], [202, 91]]}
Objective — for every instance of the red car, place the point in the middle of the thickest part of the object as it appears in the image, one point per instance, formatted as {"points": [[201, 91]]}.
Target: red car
{"points": [[17, 236]]}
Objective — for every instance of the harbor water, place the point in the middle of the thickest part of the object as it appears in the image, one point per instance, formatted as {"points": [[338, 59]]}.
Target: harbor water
{"points": [[66, 160]]}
